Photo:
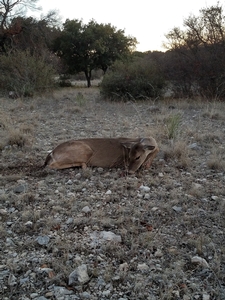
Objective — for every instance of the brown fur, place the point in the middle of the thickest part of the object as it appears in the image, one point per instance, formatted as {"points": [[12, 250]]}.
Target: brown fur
{"points": [[103, 152]]}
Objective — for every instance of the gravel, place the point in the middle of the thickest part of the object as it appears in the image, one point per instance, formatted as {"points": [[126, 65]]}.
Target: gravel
{"points": [[97, 234]]}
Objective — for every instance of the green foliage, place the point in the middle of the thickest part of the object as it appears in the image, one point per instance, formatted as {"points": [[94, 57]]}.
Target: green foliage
{"points": [[139, 79], [25, 74], [93, 46]]}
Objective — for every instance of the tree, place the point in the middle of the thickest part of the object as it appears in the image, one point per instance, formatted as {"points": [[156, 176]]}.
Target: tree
{"points": [[92, 46], [27, 65], [36, 35], [9, 10], [200, 52]]}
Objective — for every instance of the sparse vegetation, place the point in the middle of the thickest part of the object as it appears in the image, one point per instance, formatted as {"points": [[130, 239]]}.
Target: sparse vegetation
{"points": [[179, 214], [16, 138], [216, 160], [25, 74]]}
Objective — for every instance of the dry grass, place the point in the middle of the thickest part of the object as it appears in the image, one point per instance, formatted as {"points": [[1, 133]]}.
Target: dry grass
{"points": [[181, 216], [16, 138], [173, 125], [178, 152], [217, 160]]}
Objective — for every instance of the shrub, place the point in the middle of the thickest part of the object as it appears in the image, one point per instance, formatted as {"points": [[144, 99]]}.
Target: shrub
{"points": [[139, 79], [25, 74]]}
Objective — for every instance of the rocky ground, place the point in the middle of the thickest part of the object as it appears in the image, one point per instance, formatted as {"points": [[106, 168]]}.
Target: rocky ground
{"points": [[96, 234]]}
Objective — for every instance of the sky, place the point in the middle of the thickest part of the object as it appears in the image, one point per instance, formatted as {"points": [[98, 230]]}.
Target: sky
{"points": [[148, 21]]}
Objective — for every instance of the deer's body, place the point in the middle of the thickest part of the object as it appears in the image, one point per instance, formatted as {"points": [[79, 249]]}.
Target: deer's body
{"points": [[103, 152]]}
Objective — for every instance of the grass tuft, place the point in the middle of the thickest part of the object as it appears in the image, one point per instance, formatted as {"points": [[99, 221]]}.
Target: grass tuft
{"points": [[173, 126], [17, 138]]}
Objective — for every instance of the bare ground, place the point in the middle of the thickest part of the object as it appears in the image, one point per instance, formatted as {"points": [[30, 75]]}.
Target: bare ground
{"points": [[168, 221]]}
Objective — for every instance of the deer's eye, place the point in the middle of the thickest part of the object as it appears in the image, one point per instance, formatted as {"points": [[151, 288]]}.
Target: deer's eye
{"points": [[137, 157]]}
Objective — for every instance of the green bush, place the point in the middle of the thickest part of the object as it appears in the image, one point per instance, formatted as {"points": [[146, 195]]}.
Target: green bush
{"points": [[139, 79], [25, 74]]}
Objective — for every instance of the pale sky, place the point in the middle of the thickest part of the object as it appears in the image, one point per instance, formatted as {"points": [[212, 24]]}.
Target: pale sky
{"points": [[148, 21]]}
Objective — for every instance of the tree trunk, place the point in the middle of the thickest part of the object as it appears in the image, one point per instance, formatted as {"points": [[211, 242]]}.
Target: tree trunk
{"points": [[88, 77], [104, 68]]}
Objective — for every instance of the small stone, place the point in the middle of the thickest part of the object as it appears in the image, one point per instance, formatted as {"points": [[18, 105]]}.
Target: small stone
{"points": [[100, 282], [176, 294], [196, 186], [147, 196], [106, 293], [3, 267], [142, 267], [69, 221], [205, 297], [116, 278], [2, 192], [177, 208], [19, 189], [43, 240], [200, 260], [86, 295], [86, 209], [194, 146], [214, 198], [49, 294], [124, 267], [9, 223], [110, 236], [161, 175], [12, 280], [158, 253], [79, 275], [24, 280], [95, 227], [60, 292], [28, 224], [13, 95], [144, 188], [3, 211], [173, 250], [155, 208], [153, 108], [10, 242], [46, 270], [11, 210], [109, 192], [70, 194]]}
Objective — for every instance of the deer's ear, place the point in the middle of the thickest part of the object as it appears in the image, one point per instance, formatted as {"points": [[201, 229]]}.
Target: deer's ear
{"points": [[148, 147]]}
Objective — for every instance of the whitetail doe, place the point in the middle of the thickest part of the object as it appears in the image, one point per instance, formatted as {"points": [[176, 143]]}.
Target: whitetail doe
{"points": [[104, 152]]}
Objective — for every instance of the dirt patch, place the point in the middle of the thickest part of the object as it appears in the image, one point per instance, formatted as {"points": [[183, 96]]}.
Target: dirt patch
{"points": [[97, 234]]}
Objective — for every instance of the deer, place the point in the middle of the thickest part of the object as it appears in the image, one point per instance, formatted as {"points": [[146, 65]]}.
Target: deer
{"points": [[104, 152]]}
